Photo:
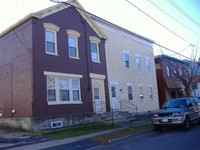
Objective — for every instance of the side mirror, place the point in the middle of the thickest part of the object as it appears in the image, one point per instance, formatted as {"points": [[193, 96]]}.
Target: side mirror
{"points": [[189, 105]]}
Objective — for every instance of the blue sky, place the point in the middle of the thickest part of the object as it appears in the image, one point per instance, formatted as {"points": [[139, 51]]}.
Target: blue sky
{"points": [[126, 15]]}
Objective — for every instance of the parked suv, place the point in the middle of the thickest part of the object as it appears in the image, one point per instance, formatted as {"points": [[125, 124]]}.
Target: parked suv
{"points": [[177, 111]]}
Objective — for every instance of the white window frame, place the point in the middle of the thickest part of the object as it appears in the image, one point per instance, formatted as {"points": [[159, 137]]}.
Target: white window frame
{"points": [[148, 64], [138, 66], [141, 93], [168, 71], [52, 28], [69, 77], [74, 34], [126, 53], [150, 88], [96, 41], [129, 85]]}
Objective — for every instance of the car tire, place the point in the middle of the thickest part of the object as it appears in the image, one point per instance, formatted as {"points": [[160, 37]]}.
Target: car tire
{"points": [[186, 124], [157, 127]]}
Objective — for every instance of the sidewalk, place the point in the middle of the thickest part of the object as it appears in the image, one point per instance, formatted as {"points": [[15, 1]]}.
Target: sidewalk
{"points": [[24, 141]]}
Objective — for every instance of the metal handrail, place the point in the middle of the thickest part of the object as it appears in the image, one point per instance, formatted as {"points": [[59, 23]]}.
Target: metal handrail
{"points": [[128, 105], [103, 105]]}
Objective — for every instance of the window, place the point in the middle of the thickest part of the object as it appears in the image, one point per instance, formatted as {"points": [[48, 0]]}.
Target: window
{"points": [[181, 71], [168, 71], [126, 59], [75, 90], [51, 38], [51, 89], [63, 90], [130, 92], [138, 62], [148, 67], [175, 72], [73, 43], [150, 92], [141, 92], [94, 47]]}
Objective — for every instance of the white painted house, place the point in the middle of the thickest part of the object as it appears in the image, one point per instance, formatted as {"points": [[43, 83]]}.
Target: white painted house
{"points": [[130, 68]]}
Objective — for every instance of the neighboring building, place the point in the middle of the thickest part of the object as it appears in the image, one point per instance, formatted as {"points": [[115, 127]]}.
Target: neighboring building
{"points": [[167, 71], [194, 67], [52, 63], [130, 68], [196, 87]]}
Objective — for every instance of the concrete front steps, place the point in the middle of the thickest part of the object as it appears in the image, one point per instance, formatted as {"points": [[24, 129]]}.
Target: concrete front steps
{"points": [[125, 118], [118, 117]]}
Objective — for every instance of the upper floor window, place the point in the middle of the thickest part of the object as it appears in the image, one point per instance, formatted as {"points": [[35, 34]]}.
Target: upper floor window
{"points": [[175, 72], [181, 71], [148, 66], [94, 47], [51, 38], [126, 59], [168, 71], [138, 62], [73, 43]]}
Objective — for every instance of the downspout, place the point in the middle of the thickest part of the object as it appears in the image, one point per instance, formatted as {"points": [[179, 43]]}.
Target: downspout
{"points": [[87, 58]]}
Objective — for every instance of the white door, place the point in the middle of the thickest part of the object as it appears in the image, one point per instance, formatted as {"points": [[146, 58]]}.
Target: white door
{"points": [[114, 98], [97, 99]]}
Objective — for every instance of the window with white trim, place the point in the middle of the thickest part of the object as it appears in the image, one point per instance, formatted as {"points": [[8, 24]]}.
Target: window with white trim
{"points": [[63, 90], [141, 92], [138, 62], [130, 92], [150, 92], [168, 71], [181, 71], [73, 43], [94, 47], [175, 72], [126, 60], [51, 38], [148, 66]]}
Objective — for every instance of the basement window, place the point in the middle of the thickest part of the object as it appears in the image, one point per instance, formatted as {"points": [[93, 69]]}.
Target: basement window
{"points": [[57, 124]]}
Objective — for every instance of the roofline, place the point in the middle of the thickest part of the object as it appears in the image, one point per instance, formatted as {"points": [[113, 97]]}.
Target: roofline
{"points": [[169, 57], [55, 8], [19, 22], [98, 19]]}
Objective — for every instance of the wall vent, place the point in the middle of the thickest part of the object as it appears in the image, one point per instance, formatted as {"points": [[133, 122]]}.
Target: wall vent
{"points": [[57, 124]]}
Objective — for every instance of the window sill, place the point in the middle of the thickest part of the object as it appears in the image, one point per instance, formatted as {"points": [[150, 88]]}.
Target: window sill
{"points": [[52, 54], [96, 62], [64, 103], [74, 58]]}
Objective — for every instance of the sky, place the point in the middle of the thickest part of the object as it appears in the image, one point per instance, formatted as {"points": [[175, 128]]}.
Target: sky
{"points": [[174, 24]]}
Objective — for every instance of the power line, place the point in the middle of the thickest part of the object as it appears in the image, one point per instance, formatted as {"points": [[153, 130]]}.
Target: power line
{"points": [[59, 2], [157, 22], [183, 12], [174, 18]]}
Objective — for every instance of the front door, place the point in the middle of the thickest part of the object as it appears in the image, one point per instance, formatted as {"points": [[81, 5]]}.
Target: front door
{"points": [[114, 98], [97, 99]]}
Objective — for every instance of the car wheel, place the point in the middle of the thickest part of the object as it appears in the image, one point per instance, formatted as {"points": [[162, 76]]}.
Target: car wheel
{"points": [[186, 124], [157, 127]]}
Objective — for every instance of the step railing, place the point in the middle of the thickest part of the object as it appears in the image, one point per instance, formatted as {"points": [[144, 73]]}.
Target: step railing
{"points": [[127, 105], [102, 105]]}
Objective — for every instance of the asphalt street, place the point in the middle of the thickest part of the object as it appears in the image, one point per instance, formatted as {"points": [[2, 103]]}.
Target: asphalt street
{"points": [[167, 139]]}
